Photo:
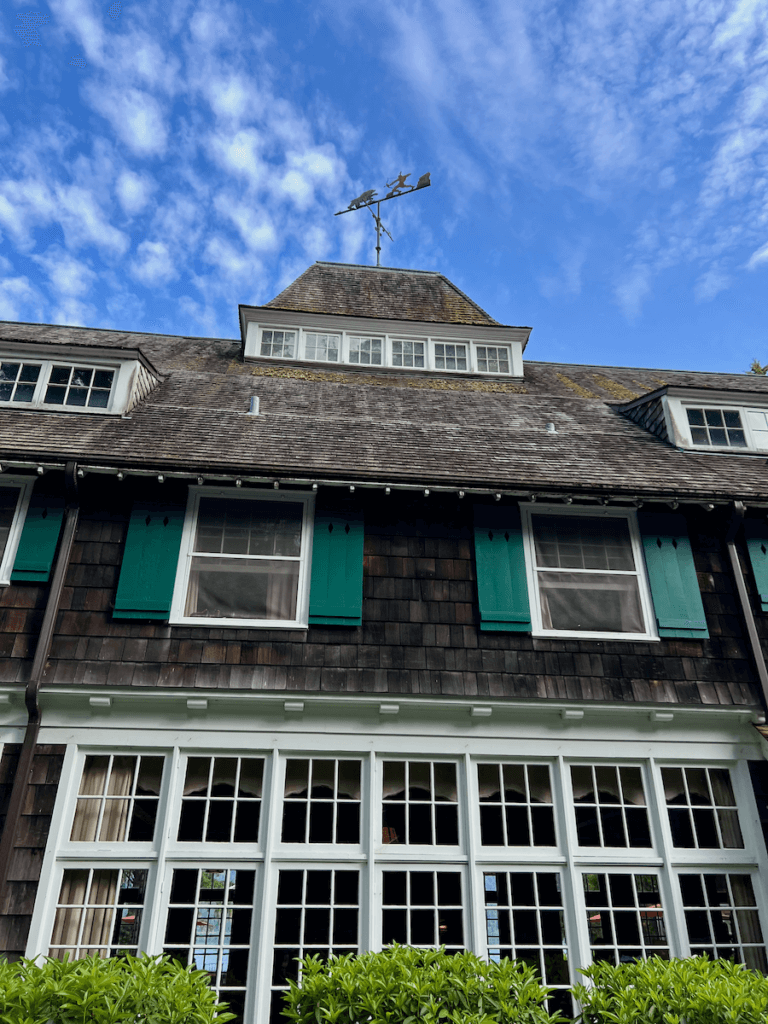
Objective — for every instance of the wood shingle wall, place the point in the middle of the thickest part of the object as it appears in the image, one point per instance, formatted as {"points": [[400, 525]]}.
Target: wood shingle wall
{"points": [[419, 632]]}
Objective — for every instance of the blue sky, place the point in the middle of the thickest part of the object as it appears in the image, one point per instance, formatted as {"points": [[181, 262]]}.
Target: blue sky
{"points": [[599, 167]]}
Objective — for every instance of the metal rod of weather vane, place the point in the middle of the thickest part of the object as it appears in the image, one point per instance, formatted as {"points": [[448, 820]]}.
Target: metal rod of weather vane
{"points": [[378, 234]]}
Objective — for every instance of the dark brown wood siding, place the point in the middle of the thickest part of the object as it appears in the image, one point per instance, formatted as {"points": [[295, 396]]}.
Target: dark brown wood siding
{"points": [[420, 623], [17, 902]]}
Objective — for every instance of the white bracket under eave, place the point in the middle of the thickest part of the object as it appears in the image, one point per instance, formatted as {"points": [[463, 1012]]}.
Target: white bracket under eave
{"points": [[661, 716], [389, 709], [295, 707], [572, 714], [197, 704], [481, 712]]}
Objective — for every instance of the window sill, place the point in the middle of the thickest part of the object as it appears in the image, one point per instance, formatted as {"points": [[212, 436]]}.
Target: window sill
{"points": [[237, 623], [556, 634]]}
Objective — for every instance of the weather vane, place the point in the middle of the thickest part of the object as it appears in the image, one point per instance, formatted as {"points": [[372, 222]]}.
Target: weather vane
{"points": [[397, 188]]}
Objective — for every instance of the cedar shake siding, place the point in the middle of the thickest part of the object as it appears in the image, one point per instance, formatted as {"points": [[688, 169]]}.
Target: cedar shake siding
{"points": [[420, 631]]}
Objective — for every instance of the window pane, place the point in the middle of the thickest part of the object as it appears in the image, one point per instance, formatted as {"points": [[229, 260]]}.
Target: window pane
{"points": [[233, 526], [242, 589], [590, 602], [582, 542]]}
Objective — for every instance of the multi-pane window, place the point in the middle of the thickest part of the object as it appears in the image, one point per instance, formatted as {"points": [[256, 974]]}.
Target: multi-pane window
{"points": [[209, 926], [625, 917], [98, 912], [492, 359], [423, 908], [245, 559], [221, 800], [610, 806], [408, 353], [365, 351], [317, 915], [525, 920], [717, 427], [586, 574], [516, 805], [79, 386], [117, 800], [278, 343], [323, 347], [702, 808], [18, 381], [450, 357], [321, 801], [420, 803], [722, 919]]}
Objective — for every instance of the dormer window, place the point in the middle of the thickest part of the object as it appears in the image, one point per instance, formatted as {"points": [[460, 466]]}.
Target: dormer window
{"points": [[365, 351], [57, 384], [450, 357], [492, 359], [75, 379], [278, 343], [324, 348], [717, 427], [408, 353]]}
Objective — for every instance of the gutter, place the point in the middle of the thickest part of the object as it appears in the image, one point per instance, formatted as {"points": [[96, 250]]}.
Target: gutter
{"points": [[739, 508], [32, 691]]}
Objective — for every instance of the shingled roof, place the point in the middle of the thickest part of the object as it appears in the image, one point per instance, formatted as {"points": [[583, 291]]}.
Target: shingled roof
{"points": [[352, 290]]}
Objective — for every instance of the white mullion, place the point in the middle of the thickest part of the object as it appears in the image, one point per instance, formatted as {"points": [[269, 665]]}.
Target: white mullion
{"points": [[672, 901], [259, 990], [469, 818], [579, 947], [104, 797], [158, 881], [207, 808], [370, 818]]}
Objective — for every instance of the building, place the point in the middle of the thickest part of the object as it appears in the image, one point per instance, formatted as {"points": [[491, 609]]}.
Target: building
{"points": [[365, 627]]}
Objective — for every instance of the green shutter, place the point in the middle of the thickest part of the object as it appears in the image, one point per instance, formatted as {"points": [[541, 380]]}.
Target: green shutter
{"points": [[336, 592], [672, 576], [150, 558], [39, 537], [756, 533], [502, 587]]}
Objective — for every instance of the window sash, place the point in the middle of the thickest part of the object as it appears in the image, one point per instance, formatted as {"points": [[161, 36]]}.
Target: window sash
{"points": [[288, 583], [537, 573], [40, 396], [10, 533]]}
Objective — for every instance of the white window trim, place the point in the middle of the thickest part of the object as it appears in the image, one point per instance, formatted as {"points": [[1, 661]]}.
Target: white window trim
{"points": [[646, 603], [470, 858], [118, 396], [722, 406], [25, 485], [387, 338], [177, 616]]}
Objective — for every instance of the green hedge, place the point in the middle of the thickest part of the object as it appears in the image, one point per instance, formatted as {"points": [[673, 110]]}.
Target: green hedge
{"points": [[692, 991], [119, 990], [403, 985]]}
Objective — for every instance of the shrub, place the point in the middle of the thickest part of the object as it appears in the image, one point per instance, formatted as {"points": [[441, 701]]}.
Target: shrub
{"points": [[403, 985], [692, 991], [119, 990]]}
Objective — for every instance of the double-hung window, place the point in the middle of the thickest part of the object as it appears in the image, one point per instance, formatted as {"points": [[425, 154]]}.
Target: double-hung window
{"points": [[244, 559], [14, 499], [586, 573], [56, 384]]}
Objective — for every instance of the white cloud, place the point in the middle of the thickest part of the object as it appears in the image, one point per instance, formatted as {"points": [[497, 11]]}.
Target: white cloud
{"points": [[154, 264], [632, 290], [18, 299], [758, 257], [67, 275], [135, 115], [133, 191]]}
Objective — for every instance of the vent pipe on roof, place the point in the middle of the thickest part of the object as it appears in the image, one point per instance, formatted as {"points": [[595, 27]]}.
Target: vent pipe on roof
{"points": [[253, 408], [551, 428]]}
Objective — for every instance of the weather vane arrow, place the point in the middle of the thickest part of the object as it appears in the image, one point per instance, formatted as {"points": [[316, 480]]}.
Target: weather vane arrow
{"points": [[366, 200]]}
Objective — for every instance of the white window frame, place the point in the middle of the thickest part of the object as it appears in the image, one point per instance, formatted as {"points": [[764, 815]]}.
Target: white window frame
{"points": [[276, 744], [118, 394], [742, 410], [530, 509], [186, 553], [387, 340], [25, 486]]}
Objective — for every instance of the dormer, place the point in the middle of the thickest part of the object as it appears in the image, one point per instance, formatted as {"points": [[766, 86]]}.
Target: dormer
{"points": [[704, 419], [73, 378], [380, 317]]}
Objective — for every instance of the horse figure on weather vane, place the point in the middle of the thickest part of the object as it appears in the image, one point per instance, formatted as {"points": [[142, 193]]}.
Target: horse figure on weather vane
{"points": [[398, 187]]}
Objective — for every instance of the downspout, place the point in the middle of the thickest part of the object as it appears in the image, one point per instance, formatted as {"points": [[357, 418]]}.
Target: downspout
{"points": [[739, 508], [32, 692]]}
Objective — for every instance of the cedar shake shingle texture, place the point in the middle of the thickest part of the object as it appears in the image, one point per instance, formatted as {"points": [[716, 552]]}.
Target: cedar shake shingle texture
{"points": [[346, 290]]}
